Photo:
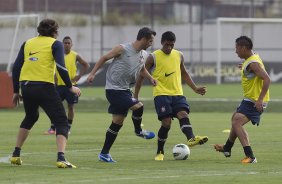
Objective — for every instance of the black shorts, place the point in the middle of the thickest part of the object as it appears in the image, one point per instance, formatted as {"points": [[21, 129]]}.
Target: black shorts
{"points": [[65, 94], [248, 109], [169, 106], [45, 96], [120, 101]]}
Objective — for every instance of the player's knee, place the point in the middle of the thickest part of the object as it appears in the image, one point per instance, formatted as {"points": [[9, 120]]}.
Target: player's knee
{"points": [[182, 115], [138, 113], [236, 124], [29, 121], [62, 130], [166, 122], [238, 121]]}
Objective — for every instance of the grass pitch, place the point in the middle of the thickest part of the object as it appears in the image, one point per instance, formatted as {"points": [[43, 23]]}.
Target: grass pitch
{"points": [[210, 115], [135, 156]]}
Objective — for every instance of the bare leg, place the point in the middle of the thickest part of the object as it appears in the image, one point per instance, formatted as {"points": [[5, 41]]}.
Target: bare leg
{"points": [[61, 143], [22, 135], [238, 121]]}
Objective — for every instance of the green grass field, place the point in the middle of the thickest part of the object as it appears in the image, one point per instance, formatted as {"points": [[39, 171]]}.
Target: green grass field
{"points": [[228, 91], [135, 156]]}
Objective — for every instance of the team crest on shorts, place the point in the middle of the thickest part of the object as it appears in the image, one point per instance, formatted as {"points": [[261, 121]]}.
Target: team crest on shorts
{"points": [[163, 109]]}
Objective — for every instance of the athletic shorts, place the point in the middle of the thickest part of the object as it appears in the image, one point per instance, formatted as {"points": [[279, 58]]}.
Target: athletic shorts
{"points": [[45, 96], [248, 109], [65, 94], [120, 101], [169, 106]]}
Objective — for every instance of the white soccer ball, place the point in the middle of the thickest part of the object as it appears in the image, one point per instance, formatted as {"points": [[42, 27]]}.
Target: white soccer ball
{"points": [[181, 152]]}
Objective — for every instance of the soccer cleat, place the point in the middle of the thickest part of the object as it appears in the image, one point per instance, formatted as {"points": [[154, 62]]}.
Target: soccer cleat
{"points": [[159, 157], [106, 158], [249, 160], [50, 132], [16, 160], [146, 134], [220, 148], [197, 140], [64, 164]]}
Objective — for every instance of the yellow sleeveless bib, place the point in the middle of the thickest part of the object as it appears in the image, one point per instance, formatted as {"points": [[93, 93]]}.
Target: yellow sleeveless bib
{"points": [[167, 72], [70, 62], [251, 83], [39, 64]]}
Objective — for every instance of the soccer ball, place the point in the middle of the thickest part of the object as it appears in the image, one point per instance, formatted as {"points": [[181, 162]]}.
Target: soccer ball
{"points": [[181, 152]]}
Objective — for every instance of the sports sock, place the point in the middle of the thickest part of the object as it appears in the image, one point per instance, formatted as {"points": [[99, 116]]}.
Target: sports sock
{"points": [[17, 152], [61, 156], [111, 135], [228, 145], [137, 119], [186, 127], [162, 136], [249, 152]]}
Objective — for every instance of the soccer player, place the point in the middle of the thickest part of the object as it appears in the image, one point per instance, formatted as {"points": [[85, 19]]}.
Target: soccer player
{"points": [[255, 84], [127, 65], [33, 72], [71, 60], [167, 66]]}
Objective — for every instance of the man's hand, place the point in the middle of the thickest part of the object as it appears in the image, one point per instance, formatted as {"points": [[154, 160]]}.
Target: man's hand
{"points": [[259, 105], [75, 90], [201, 90], [16, 99], [90, 78], [153, 81]]}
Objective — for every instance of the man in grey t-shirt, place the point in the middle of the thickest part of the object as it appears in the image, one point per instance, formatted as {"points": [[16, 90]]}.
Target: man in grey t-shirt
{"points": [[127, 65]]}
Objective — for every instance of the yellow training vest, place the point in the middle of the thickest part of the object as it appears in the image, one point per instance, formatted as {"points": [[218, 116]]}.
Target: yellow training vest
{"points": [[167, 73], [70, 63], [251, 83], [39, 63]]}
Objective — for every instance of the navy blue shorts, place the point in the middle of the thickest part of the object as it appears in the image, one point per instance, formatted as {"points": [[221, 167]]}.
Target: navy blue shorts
{"points": [[248, 109], [120, 101], [65, 94], [169, 106]]}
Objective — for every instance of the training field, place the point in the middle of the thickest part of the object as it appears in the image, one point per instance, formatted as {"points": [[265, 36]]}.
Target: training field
{"points": [[135, 156]]}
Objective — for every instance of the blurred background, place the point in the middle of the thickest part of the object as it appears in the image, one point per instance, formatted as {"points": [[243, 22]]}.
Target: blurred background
{"points": [[205, 38]]}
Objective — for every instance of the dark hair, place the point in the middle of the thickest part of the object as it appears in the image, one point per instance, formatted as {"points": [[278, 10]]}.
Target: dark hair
{"points": [[245, 41], [48, 27], [67, 38], [168, 36], [145, 32]]}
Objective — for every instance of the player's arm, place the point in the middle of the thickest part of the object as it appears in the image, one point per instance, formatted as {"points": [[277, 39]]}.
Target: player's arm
{"points": [[16, 75], [82, 70], [115, 52], [58, 53], [145, 74], [261, 73], [148, 65], [189, 81]]}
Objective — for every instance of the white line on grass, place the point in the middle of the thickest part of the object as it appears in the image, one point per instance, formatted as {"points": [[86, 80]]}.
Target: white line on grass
{"points": [[191, 173], [79, 150], [4, 159]]}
